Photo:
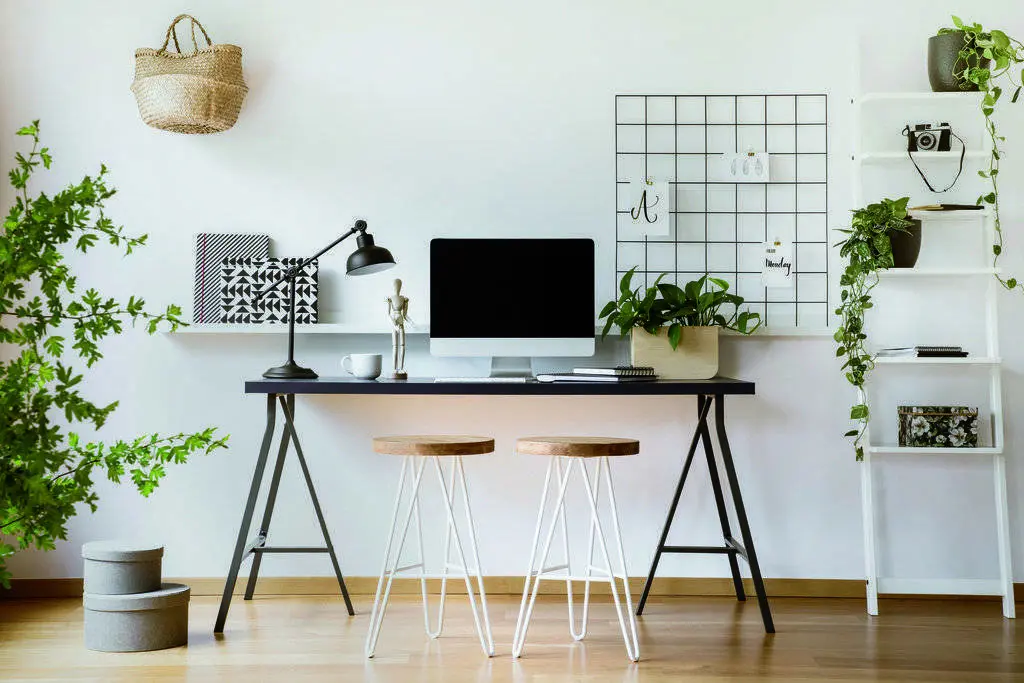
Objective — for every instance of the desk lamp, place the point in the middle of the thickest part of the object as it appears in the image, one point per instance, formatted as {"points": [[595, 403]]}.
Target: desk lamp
{"points": [[366, 259]]}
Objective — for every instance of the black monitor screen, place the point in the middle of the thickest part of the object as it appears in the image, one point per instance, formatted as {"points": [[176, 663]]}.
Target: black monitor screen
{"points": [[488, 288]]}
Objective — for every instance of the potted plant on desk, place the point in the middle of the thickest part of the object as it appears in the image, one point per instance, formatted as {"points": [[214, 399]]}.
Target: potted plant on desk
{"points": [[675, 329]]}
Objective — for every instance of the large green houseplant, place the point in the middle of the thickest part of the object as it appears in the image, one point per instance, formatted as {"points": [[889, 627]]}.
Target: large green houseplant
{"points": [[866, 250], [987, 59], [49, 324], [663, 319]]}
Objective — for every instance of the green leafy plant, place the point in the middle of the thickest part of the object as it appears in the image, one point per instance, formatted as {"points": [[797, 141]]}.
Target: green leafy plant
{"points": [[988, 58], [697, 304], [867, 249], [47, 322]]}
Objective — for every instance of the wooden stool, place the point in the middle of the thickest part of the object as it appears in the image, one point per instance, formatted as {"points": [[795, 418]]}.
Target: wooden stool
{"points": [[417, 451], [575, 451]]}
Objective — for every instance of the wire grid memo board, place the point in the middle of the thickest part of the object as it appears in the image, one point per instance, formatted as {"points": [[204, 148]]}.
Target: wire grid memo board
{"points": [[719, 227]]}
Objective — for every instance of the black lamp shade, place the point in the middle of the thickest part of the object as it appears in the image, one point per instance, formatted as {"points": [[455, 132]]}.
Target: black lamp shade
{"points": [[368, 257]]}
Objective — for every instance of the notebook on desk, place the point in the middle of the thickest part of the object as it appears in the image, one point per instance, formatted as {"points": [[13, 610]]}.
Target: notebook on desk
{"points": [[572, 377]]}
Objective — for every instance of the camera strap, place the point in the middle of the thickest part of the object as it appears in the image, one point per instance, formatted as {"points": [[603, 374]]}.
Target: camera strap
{"points": [[963, 153]]}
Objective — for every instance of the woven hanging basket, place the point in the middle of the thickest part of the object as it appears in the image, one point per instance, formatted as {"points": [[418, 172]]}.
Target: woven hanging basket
{"points": [[195, 92]]}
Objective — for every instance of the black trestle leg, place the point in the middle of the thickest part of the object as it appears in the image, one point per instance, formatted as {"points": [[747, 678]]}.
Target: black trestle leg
{"points": [[268, 512], [290, 430], [723, 515], [741, 515], [703, 406], [250, 507]]}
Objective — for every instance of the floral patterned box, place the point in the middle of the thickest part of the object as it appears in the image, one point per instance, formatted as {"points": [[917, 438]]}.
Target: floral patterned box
{"points": [[938, 426]]}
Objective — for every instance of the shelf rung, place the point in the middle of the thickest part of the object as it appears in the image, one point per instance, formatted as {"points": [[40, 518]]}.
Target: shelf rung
{"points": [[897, 586], [895, 273], [913, 360], [909, 450]]}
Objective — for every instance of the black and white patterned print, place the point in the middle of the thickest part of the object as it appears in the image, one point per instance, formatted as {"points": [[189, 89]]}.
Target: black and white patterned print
{"points": [[242, 278], [211, 250]]}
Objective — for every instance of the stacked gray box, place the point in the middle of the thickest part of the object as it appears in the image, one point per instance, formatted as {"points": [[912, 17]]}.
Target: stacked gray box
{"points": [[127, 608]]}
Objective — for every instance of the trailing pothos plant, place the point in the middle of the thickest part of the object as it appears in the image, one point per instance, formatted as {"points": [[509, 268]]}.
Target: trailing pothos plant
{"points": [[867, 249], [49, 326], [703, 302], [990, 58]]}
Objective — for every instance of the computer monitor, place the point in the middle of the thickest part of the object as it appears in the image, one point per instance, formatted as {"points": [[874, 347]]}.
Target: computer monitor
{"points": [[512, 299]]}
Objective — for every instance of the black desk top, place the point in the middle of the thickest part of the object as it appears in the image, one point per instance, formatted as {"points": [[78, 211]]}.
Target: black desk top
{"points": [[427, 386]]}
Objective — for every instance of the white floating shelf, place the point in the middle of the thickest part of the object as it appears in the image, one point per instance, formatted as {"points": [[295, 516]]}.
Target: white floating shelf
{"points": [[966, 96], [905, 450], [357, 328], [881, 157], [896, 273], [913, 360], [322, 328]]}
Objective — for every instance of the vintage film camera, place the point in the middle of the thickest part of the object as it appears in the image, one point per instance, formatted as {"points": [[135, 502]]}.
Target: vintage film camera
{"points": [[928, 137]]}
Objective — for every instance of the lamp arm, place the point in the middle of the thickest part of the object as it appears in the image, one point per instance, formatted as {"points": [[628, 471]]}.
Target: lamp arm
{"points": [[360, 226]]}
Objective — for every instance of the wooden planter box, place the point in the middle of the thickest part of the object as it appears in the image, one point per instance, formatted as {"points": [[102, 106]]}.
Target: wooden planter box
{"points": [[696, 357]]}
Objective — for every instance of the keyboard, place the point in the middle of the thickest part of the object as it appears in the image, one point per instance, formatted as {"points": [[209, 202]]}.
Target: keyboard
{"points": [[483, 380]]}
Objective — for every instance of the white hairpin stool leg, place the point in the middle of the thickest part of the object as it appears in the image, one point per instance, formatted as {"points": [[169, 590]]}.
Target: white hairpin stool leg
{"points": [[629, 636], [631, 614], [485, 641], [526, 608], [446, 563], [560, 512], [590, 560], [380, 602]]}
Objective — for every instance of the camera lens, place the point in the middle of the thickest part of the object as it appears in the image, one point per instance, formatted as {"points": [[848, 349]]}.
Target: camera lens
{"points": [[926, 141]]}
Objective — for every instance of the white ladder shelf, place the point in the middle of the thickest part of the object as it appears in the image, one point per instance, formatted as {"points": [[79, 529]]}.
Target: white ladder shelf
{"points": [[1003, 586]]}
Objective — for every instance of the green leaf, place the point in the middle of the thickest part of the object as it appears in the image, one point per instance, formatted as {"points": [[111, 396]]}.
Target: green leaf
{"points": [[675, 335], [627, 278], [608, 309], [859, 412], [607, 326], [852, 432]]}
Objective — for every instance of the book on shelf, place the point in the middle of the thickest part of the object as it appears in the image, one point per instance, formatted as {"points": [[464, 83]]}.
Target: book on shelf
{"points": [[923, 352], [618, 371], [572, 377]]}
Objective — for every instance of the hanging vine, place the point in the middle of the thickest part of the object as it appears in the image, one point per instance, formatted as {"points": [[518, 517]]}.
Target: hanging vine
{"points": [[986, 58]]}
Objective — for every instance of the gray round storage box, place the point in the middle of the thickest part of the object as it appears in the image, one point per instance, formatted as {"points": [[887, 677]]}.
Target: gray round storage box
{"points": [[135, 623], [120, 568]]}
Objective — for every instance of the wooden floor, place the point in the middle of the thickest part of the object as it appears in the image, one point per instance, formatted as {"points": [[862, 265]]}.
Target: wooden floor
{"points": [[296, 639]]}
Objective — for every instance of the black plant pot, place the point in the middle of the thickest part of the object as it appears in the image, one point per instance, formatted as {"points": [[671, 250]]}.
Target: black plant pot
{"points": [[944, 61], [906, 246]]}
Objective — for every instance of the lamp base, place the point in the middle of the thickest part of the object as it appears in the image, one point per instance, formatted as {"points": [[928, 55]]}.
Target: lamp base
{"points": [[290, 370]]}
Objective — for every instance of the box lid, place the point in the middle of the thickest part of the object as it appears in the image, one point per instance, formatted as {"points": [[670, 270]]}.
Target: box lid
{"points": [[169, 595], [122, 551]]}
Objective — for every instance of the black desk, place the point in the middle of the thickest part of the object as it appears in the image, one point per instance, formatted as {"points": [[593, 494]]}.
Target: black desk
{"points": [[281, 394]]}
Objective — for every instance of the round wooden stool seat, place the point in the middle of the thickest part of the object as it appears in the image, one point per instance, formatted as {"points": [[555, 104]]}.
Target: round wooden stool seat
{"points": [[577, 446], [433, 444]]}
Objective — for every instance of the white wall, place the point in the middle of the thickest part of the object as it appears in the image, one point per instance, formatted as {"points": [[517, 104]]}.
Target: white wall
{"points": [[468, 118]]}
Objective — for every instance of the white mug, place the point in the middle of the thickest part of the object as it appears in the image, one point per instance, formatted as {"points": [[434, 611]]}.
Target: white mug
{"points": [[362, 365]]}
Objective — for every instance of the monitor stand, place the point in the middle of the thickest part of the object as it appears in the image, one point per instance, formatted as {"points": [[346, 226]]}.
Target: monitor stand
{"points": [[512, 367]]}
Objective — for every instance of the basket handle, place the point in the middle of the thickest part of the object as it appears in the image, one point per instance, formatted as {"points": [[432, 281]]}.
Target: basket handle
{"points": [[172, 34]]}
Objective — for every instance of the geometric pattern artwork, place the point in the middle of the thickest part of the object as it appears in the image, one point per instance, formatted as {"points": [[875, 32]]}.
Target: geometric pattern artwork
{"points": [[211, 250], [718, 225], [241, 279]]}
